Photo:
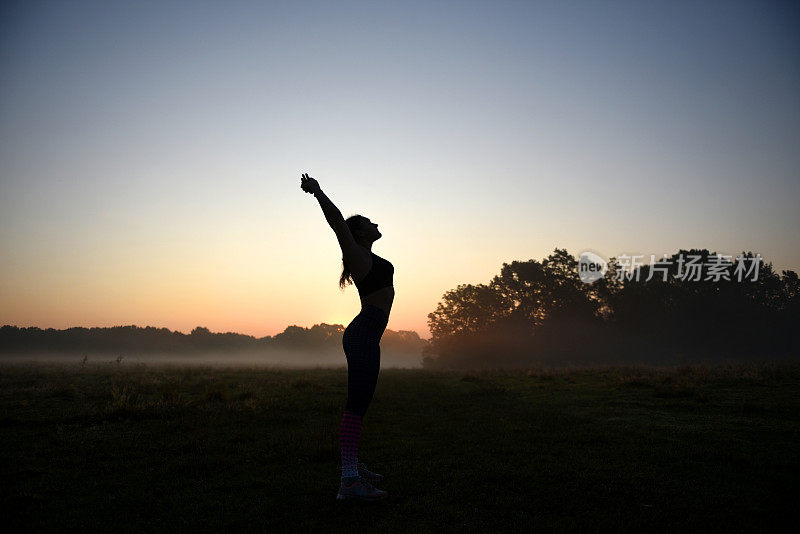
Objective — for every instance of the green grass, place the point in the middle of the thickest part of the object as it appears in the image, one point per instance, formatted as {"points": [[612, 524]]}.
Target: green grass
{"points": [[144, 449]]}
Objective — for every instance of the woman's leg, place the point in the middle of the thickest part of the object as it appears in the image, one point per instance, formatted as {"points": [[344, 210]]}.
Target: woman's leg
{"points": [[363, 366], [362, 350], [349, 433]]}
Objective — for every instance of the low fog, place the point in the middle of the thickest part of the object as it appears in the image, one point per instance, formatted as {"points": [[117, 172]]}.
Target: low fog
{"points": [[294, 359]]}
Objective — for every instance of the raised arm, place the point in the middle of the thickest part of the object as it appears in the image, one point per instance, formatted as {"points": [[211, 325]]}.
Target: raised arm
{"points": [[353, 253], [332, 213]]}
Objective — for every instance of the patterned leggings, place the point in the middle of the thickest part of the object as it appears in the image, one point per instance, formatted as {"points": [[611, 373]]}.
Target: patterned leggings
{"points": [[361, 342]]}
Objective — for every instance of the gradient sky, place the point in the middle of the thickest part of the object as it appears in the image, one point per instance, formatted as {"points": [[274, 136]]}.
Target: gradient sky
{"points": [[151, 152]]}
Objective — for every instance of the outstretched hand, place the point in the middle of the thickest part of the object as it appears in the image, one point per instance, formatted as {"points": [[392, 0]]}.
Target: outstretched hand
{"points": [[308, 184]]}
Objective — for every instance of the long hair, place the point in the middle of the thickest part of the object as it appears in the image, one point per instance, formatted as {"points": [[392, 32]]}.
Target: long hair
{"points": [[353, 223]]}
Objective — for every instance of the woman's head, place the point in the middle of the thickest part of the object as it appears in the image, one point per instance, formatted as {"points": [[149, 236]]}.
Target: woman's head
{"points": [[365, 232]]}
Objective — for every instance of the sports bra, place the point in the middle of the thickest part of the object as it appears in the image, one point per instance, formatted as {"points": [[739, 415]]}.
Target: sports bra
{"points": [[378, 277]]}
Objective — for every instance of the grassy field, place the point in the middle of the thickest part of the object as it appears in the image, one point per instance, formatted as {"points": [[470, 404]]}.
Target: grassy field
{"points": [[139, 449]]}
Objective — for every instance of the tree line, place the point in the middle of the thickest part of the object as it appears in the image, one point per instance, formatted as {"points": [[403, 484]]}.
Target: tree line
{"points": [[544, 313], [135, 340], [532, 313]]}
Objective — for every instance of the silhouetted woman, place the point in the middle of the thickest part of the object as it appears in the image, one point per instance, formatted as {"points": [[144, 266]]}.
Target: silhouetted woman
{"points": [[373, 279]]}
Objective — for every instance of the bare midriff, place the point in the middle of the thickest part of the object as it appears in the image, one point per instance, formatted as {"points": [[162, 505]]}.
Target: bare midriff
{"points": [[381, 298]]}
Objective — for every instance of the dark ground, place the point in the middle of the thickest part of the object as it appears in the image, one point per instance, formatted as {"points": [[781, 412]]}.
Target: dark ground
{"points": [[115, 447]]}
